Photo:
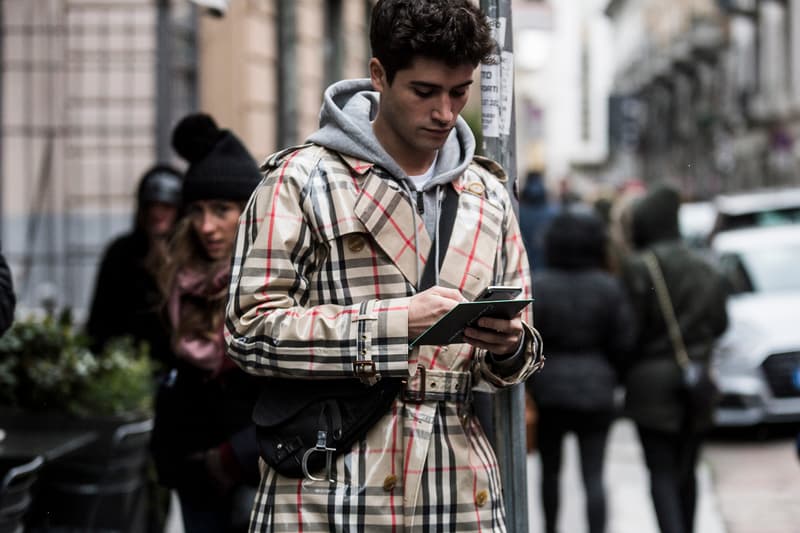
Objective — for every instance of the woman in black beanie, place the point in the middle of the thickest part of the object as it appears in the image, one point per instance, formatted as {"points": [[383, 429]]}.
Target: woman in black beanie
{"points": [[204, 442]]}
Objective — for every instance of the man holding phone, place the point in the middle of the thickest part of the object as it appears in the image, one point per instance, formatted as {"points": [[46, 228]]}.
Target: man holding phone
{"points": [[359, 241]]}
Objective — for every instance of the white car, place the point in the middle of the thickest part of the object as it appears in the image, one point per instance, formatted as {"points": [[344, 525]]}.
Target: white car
{"points": [[757, 360], [761, 207]]}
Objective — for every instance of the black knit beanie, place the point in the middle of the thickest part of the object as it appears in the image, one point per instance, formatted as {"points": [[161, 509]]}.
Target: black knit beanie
{"points": [[220, 167]]}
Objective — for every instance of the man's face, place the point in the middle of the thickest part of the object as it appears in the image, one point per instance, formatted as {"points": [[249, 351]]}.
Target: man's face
{"points": [[420, 107]]}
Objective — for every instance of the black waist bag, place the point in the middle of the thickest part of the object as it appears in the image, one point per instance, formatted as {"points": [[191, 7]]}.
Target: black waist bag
{"points": [[316, 420]]}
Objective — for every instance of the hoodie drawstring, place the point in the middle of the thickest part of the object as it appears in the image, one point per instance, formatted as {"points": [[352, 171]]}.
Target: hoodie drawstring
{"points": [[415, 206]]}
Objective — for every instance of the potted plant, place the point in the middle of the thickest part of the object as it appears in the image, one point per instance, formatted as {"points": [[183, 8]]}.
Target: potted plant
{"points": [[47, 371], [50, 379]]}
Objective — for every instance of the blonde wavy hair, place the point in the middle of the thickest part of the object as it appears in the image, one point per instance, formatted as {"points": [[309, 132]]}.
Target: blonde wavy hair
{"points": [[200, 316]]}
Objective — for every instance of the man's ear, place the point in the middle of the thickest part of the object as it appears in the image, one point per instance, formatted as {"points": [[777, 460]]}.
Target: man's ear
{"points": [[377, 74]]}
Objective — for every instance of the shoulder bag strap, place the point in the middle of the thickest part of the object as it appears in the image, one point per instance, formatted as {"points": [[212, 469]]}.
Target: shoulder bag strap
{"points": [[447, 219], [667, 309]]}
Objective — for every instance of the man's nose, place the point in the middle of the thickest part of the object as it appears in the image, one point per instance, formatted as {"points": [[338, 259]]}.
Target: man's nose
{"points": [[443, 111]]}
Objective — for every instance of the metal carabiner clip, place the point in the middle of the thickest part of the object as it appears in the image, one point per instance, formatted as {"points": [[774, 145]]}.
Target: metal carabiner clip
{"points": [[321, 447]]}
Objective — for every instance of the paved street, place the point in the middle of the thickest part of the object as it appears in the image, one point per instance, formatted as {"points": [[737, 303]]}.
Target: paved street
{"points": [[745, 486], [757, 484]]}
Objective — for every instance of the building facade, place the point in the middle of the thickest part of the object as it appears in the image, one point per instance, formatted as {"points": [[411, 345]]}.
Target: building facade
{"points": [[90, 91], [706, 93]]}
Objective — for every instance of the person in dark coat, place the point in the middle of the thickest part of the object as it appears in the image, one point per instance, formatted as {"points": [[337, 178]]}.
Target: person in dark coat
{"points": [[583, 313], [204, 442], [670, 433], [535, 213], [8, 300], [126, 297]]}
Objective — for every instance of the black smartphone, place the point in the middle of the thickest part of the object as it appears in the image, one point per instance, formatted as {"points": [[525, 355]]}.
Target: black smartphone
{"points": [[499, 292]]}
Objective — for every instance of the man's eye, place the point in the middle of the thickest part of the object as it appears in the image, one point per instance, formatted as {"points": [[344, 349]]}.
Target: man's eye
{"points": [[458, 94], [422, 93]]}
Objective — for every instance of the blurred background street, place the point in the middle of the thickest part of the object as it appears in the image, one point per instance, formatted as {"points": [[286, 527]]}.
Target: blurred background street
{"points": [[747, 483]]}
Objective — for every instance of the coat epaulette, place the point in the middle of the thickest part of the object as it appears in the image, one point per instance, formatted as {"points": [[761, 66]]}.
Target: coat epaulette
{"points": [[274, 160], [492, 166]]}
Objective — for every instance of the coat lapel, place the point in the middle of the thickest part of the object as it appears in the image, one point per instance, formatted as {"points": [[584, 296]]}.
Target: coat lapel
{"points": [[387, 214], [469, 263]]}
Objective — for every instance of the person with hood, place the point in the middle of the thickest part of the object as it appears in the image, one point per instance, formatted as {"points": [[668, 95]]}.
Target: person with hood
{"points": [[669, 428], [535, 214], [328, 282], [584, 313], [126, 296], [203, 441]]}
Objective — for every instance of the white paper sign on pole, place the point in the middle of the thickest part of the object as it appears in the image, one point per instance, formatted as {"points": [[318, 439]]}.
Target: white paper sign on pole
{"points": [[506, 92], [490, 99], [499, 31]]}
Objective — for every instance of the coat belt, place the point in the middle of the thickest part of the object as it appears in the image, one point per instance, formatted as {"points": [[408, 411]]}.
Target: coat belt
{"points": [[437, 386]]}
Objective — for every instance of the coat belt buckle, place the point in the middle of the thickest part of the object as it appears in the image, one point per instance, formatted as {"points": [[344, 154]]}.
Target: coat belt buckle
{"points": [[365, 368], [417, 396]]}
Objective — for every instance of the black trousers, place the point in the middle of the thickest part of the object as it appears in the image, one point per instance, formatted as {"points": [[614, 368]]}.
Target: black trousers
{"points": [[671, 459], [591, 429]]}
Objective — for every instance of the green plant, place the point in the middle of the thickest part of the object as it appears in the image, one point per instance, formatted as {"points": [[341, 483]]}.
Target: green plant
{"points": [[46, 365], [121, 384]]}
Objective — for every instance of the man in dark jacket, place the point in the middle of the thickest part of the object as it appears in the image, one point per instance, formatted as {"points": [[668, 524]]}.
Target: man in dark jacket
{"points": [[126, 297], [655, 398]]}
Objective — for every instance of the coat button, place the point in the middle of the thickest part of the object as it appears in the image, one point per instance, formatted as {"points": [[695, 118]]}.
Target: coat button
{"points": [[356, 244], [389, 482], [475, 188], [482, 497]]}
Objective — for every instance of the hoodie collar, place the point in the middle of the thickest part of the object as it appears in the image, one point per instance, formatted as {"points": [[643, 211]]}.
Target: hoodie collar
{"points": [[346, 116]]}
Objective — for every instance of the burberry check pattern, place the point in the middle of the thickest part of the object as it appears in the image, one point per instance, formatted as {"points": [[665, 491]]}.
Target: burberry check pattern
{"points": [[325, 262]]}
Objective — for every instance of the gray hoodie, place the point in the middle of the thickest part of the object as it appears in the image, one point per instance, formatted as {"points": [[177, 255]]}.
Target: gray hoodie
{"points": [[348, 108]]}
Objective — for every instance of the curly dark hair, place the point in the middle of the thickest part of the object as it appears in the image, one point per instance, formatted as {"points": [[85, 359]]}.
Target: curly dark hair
{"points": [[454, 31]]}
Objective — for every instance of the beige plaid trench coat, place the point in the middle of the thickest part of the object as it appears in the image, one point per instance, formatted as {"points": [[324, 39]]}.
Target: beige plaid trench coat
{"points": [[324, 265]]}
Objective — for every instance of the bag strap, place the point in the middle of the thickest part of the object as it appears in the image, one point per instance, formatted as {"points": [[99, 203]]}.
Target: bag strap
{"points": [[447, 220], [667, 309]]}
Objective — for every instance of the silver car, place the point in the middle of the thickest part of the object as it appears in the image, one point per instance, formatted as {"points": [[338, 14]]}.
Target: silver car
{"points": [[757, 360]]}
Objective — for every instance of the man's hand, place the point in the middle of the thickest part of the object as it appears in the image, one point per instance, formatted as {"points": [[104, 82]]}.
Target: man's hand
{"points": [[498, 335], [430, 305]]}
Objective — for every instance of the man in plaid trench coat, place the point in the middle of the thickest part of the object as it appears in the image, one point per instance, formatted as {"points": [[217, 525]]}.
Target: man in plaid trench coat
{"points": [[326, 271]]}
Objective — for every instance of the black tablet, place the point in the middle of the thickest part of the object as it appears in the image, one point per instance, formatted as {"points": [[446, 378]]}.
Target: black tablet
{"points": [[450, 328]]}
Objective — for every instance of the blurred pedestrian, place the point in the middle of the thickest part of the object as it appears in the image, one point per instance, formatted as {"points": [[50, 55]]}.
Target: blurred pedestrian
{"points": [[204, 441], [535, 213], [8, 300], [583, 313], [669, 426], [126, 296]]}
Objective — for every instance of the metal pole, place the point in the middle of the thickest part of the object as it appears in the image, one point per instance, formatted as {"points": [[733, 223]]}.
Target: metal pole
{"points": [[499, 143], [287, 70]]}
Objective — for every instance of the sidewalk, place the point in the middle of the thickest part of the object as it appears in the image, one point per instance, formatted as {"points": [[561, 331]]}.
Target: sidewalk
{"points": [[629, 506]]}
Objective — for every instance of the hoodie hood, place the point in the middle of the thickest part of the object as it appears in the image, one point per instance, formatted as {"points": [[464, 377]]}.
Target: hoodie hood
{"points": [[348, 109], [576, 239], [655, 216]]}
